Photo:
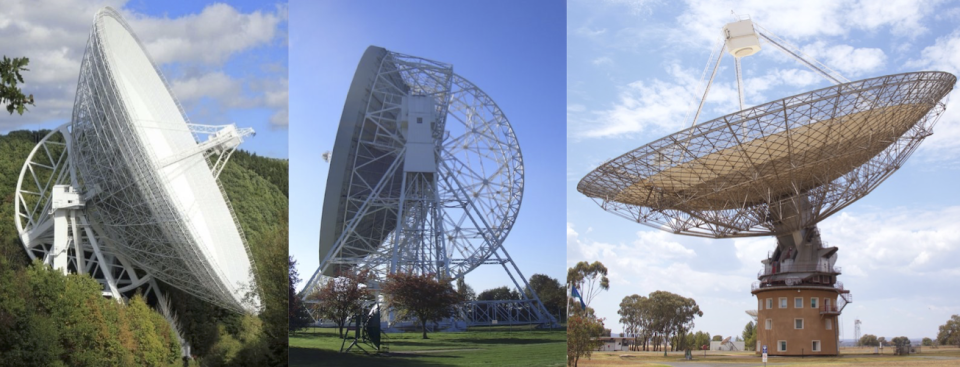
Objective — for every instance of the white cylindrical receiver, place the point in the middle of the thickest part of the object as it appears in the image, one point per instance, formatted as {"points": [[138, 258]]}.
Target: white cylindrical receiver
{"points": [[741, 39]]}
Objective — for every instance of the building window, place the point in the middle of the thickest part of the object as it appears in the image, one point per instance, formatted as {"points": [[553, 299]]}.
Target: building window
{"points": [[769, 324], [826, 304], [419, 120], [813, 302], [783, 302], [760, 304], [798, 323], [798, 302], [816, 345], [769, 303], [782, 346], [829, 324]]}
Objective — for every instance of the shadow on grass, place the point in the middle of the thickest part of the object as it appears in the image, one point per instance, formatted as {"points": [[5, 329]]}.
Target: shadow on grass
{"points": [[420, 343], [320, 357], [512, 341]]}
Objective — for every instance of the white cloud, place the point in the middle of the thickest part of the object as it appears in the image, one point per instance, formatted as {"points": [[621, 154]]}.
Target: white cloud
{"points": [[213, 85], [53, 34], [641, 105], [943, 148], [590, 32], [210, 37], [793, 19], [600, 61], [903, 16], [635, 6], [846, 59], [903, 242], [943, 55]]}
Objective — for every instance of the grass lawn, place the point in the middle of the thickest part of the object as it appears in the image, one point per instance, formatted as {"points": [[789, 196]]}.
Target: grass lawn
{"points": [[929, 357], [499, 346]]}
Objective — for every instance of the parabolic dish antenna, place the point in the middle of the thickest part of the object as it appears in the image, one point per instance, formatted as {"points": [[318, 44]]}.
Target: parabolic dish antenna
{"points": [[426, 175], [778, 169], [748, 173], [128, 190]]}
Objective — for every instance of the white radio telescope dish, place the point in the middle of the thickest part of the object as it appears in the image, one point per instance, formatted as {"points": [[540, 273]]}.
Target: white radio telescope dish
{"points": [[146, 201]]}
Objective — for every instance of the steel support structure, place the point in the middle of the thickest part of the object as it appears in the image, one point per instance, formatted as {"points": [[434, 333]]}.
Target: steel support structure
{"points": [[446, 222]]}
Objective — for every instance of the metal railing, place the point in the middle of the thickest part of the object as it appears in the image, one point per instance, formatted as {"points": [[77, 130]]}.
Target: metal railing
{"points": [[819, 267], [838, 285]]}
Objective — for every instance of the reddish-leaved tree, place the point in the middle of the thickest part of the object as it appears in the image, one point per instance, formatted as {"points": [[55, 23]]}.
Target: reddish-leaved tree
{"points": [[342, 296], [422, 296]]}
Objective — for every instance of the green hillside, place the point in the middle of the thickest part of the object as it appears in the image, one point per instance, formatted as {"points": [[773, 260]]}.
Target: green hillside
{"points": [[256, 187]]}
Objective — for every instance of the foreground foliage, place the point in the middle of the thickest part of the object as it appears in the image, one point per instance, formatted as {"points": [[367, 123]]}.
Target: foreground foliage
{"points": [[51, 319], [10, 94], [297, 316], [583, 330], [583, 327], [342, 297], [422, 296]]}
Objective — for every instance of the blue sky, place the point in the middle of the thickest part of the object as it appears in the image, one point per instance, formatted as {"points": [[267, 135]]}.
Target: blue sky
{"points": [[632, 68], [225, 61], [513, 51]]}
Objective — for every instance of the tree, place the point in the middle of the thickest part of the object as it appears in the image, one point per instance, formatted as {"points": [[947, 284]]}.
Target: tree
{"points": [[750, 336], [342, 296], [702, 339], [882, 340], [297, 316], [9, 77], [590, 279], [150, 350], [465, 290], [499, 294], [681, 319], [423, 296], [950, 332], [900, 341], [927, 342], [632, 317], [583, 327], [869, 340], [550, 292], [582, 331]]}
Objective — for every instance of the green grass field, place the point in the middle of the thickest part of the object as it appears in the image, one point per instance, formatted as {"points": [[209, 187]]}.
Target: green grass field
{"points": [[500, 346]]}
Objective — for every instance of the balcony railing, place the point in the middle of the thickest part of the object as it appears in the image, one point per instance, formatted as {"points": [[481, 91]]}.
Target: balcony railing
{"points": [[821, 267], [758, 285], [829, 309]]}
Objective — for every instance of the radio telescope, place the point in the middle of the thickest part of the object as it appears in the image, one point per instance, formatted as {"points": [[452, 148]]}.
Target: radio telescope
{"points": [[426, 177], [778, 169], [127, 191]]}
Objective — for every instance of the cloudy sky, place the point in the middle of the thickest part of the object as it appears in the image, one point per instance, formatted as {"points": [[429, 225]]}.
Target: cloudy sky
{"points": [[633, 66], [513, 51], [225, 61]]}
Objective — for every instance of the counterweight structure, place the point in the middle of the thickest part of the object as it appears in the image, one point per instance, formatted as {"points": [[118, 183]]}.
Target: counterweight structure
{"points": [[426, 177], [778, 169], [127, 191]]}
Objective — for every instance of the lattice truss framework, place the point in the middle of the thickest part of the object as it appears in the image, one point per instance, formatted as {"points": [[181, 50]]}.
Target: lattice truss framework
{"points": [[446, 223], [778, 167], [126, 190], [452, 221]]}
